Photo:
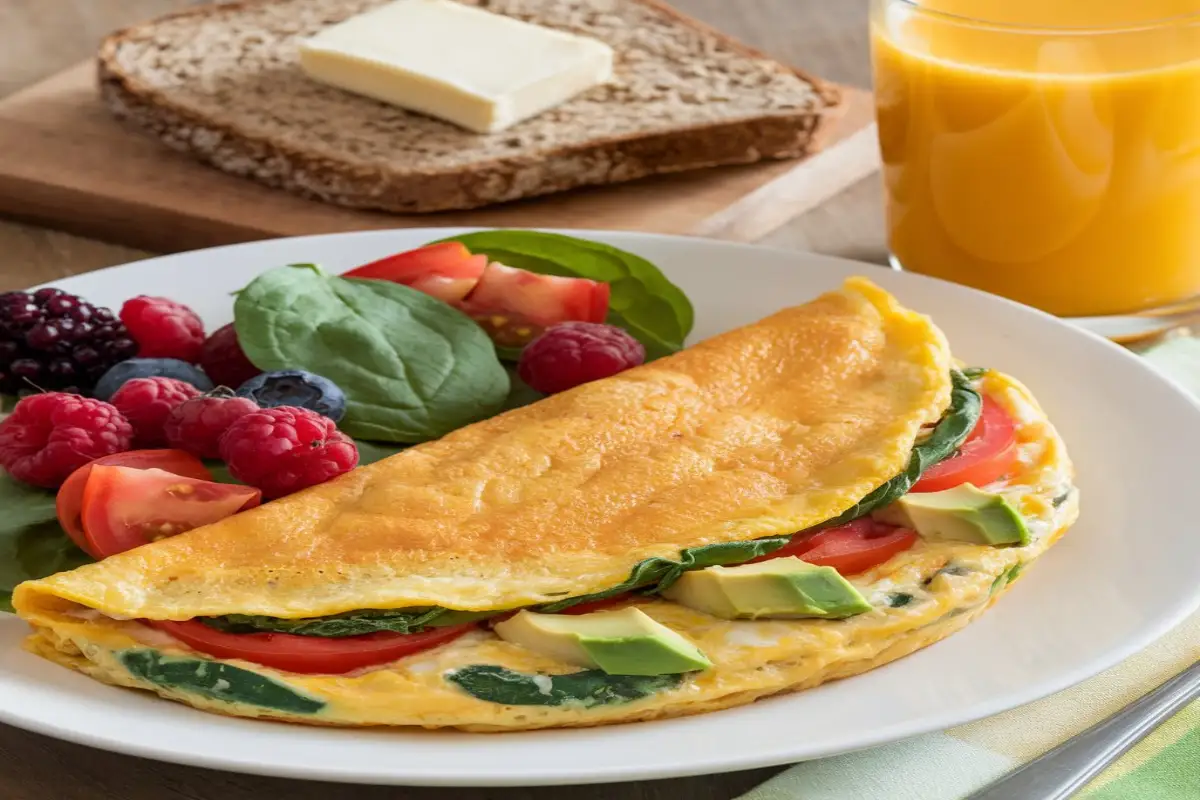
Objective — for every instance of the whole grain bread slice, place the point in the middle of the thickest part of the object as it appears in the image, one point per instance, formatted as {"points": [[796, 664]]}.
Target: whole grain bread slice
{"points": [[223, 84]]}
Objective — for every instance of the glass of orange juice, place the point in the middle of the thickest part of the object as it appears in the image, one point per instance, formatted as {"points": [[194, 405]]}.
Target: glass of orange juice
{"points": [[1044, 150]]}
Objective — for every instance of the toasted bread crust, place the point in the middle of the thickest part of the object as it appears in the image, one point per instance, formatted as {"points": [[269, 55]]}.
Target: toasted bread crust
{"points": [[230, 147]]}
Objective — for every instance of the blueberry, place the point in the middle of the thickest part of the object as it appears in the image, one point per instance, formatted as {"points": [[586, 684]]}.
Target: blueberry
{"points": [[295, 387], [124, 371]]}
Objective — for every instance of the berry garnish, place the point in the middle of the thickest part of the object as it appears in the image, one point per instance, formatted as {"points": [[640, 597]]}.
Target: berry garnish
{"points": [[163, 328], [196, 425], [147, 402], [222, 358], [49, 436], [282, 450], [116, 377], [53, 340], [295, 387], [572, 353]]}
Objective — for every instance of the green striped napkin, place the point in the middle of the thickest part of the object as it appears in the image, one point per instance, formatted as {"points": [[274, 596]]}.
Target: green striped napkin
{"points": [[953, 764]]}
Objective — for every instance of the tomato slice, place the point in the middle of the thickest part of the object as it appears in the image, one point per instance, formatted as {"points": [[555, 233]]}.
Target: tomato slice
{"points": [[851, 548], [598, 605], [69, 501], [515, 305], [308, 654], [445, 270], [124, 507], [987, 455]]}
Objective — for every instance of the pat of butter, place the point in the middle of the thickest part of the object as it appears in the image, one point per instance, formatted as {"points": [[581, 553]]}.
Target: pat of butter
{"points": [[479, 70]]}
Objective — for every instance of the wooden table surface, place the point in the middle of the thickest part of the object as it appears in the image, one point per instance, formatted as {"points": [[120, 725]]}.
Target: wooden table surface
{"points": [[39, 37]]}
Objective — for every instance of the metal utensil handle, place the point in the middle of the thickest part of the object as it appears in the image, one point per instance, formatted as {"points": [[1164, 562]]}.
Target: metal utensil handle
{"points": [[1063, 771]]}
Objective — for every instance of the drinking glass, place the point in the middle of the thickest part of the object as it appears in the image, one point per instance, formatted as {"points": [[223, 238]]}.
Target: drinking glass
{"points": [[1044, 150]]}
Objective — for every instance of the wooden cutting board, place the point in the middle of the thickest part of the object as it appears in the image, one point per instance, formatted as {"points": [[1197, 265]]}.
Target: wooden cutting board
{"points": [[65, 163]]}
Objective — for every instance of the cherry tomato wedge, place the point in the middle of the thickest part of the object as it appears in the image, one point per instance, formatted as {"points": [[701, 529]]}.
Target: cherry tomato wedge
{"points": [[69, 501], [446, 270], [308, 654], [124, 508], [987, 455], [851, 548]]}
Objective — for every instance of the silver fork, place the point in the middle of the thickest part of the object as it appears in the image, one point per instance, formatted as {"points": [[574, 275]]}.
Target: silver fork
{"points": [[1066, 769]]}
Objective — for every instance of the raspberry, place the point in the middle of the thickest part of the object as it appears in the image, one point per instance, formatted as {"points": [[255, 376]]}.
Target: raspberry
{"points": [[224, 361], [147, 402], [49, 436], [572, 353], [196, 425], [286, 449], [163, 328]]}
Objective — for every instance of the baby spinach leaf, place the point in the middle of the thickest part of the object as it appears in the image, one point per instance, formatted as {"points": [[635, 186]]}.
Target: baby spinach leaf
{"points": [[899, 599], [1005, 578], [216, 681], [643, 301], [521, 393], [370, 452], [588, 688], [34, 551], [412, 367], [350, 623], [22, 504]]}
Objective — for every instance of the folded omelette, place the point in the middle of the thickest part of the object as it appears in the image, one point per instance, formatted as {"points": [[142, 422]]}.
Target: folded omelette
{"points": [[645, 496]]}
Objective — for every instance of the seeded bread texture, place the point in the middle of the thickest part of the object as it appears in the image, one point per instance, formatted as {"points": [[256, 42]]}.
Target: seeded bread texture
{"points": [[223, 84]]}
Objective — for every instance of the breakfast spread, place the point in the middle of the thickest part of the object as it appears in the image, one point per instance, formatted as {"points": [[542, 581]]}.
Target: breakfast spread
{"points": [[483, 485], [501, 71], [429, 105]]}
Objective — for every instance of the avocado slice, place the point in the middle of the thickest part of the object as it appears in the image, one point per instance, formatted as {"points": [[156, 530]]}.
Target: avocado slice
{"points": [[963, 514], [782, 588], [624, 642]]}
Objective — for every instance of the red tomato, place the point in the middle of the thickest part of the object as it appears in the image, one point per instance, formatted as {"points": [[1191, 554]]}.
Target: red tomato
{"points": [[514, 305], [598, 605], [987, 455], [69, 501], [124, 508], [446, 270], [308, 654], [851, 548]]}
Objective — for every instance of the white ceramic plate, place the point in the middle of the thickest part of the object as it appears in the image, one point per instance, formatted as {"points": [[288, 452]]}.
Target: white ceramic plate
{"points": [[1123, 576]]}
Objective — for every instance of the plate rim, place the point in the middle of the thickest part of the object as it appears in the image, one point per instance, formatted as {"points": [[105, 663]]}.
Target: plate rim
{"points": [[560, 775]]}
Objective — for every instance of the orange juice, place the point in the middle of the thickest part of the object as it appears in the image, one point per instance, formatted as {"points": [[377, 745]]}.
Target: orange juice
{"points": [[1045, 150]]}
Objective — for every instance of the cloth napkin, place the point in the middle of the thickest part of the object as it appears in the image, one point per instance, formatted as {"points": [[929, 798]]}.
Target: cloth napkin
{"points": [[953, 764]]}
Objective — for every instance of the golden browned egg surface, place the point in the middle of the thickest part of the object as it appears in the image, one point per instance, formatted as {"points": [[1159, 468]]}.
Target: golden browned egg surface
{"points": [[780, 437]]}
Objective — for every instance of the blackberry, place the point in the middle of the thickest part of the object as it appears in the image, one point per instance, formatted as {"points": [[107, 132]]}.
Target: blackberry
{"points": [[53, 340]]}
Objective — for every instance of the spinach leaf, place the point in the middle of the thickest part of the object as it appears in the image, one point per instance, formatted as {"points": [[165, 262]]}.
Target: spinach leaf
{"points": [[521, 393], [899, 599], [32, 543], [588, 688], [949, 434], [217, 681], [1005, 578], [643, 301], [370, 452], [23, 504], [350, 623], [412, 367], [656, 574], [34, 551]]}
